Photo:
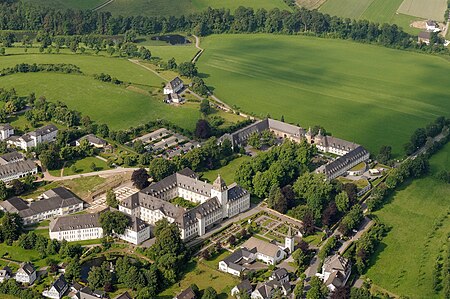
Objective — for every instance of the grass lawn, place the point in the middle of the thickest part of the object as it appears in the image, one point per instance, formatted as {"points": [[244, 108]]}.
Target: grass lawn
{"points": [[18, 254], [103, 102], [204, 276], [404, 261], [84, 166], [227, 172], [74, 4], [382, 92]]}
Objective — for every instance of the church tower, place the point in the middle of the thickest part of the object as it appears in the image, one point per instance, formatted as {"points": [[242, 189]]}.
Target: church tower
{"points": [[220, 190], [318, 138], [289, 242]]}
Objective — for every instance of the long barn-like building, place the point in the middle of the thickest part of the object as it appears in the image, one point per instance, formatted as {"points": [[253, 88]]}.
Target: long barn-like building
{"points": [[350, 153], [215, 202]]}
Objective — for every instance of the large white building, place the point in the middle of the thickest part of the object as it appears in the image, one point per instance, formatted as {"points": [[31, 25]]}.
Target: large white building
{"points": [[349, 153], [44, 134], [55, 202], [87, 227], [215, 202]]}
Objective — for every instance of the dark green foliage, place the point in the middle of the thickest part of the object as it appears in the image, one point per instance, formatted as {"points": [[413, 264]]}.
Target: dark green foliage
{"points": [[160, 168], [140, 178], [114, 222], [351, 220], [99, 277], [209, 293], [205, 107], [385, 154], [35, 68], [187, 69], [203, 129], [11, 226], [111, 199], [276, 200], [73, 270]]}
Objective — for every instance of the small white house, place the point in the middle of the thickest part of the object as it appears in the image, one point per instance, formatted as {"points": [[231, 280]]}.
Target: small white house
{"points": [[26, 273], [235, 263], [57, 289], [5, 274], [173, 86]]}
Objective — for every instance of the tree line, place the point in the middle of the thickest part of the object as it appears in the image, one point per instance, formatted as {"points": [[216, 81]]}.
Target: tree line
{"points": [[18, 16], [34, 68]]}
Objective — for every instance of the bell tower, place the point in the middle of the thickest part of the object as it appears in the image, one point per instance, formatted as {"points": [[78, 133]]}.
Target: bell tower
{"points": [[289, 242], [220, 190]]}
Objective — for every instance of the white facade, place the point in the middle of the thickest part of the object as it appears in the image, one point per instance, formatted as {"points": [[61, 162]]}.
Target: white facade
{"points": [[32, 139], [23, 277], [135, 237], [6, 131], [59, 211], [17, 170], [224, 268], [75, 234], [53, 292]]}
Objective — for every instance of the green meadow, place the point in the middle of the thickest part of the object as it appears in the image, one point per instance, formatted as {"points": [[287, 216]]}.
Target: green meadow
{"points": [[405, 259], [364, 93], [117, 106], [161, 7]]}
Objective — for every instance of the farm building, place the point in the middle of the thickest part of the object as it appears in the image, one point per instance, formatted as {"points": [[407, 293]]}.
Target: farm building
{"points": [[173, 86]]}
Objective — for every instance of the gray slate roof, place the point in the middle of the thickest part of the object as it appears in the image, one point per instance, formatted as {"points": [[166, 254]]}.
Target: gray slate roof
{"points": [[60, 284], [45, 130], [80, 221], [91, 138], [425, 35], [11, 157], [343, 162], [6, 127], [28, 268], [124, 296], [174, 83], [57, 198], [186, 294], [9, 169], [245, 287]]}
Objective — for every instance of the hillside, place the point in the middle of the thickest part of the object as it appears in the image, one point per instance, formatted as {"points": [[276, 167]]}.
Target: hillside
{"points": [[369, 94]]}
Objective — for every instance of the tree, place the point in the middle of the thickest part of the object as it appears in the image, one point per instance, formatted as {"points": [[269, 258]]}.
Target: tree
{"points": [[385, 154], [298, 290], [11, 226], [114, 222], [276, 200], [209, 293], [342, 202], [317, 290], [3, 191], [111, 199], [205, 107], [171, 64], [160, 168], [93, 166], [139, 147], [202, 129], [254, 140], [187, 69], [140, 178], [17, 186], [2, 51], [73, 270], [99, 277]]}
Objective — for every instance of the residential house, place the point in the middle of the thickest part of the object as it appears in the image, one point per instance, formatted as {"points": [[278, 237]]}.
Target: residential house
{"points": [[244, 287], [236, 262], [11, 157], [431, 25], [5, 274], [17, 170], [44, 134], [280, 274], [186, 294], [6, 131], [424, 37], [335, 271], [267, 252], [57, 289], [173, 86], [215, 202], [26, 273], [269, 289], [92, 140], [87, 226], [55, 202], [124, 296], [87, 293]]}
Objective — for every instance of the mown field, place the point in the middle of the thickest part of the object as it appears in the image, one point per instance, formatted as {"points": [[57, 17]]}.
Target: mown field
{"points": [[368, 94], [400, 12], [404, 262], [117, 106], [424, 8], [161, 7]]}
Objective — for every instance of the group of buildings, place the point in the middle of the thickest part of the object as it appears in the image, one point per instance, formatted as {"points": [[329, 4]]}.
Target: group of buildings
{"points": [[349, 153], [215, 202]]}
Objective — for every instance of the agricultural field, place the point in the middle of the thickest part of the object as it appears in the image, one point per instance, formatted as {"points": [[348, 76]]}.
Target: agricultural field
{"points": [[161, 7], [424, 8], [400, 12], [117, 106], [338, 84], [414, 215]]}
